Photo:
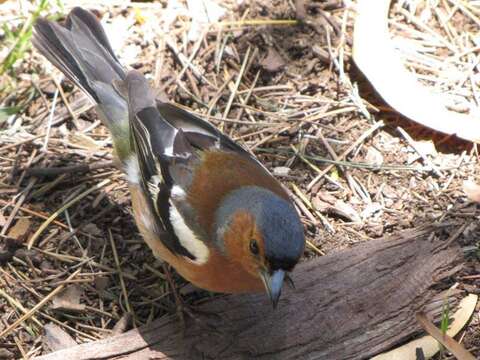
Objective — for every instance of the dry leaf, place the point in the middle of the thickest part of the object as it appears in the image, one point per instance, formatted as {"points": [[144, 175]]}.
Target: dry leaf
{"points": [[92, 229], [56, 338], [426, 147], [69, 299], [320, 205], [374, 157], [83, 141], [325, 204], [455, 348], [327, 197], [139, 17], [273, 62], [427, 343], [345, 210], [20, 230], [472, 190], [16, 236], [122, 325], [371, 210]]}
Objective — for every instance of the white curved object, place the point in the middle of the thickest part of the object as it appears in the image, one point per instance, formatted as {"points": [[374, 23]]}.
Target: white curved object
{"points": [[375, 55]]}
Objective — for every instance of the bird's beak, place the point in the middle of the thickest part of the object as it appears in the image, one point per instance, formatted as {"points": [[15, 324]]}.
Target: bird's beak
{"points": [[273, 283]]}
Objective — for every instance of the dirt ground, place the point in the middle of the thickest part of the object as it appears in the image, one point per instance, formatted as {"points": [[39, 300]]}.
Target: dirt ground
{"points": [[288, 92]]}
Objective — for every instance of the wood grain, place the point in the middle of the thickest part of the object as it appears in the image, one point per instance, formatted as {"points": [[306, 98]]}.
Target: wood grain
{"points": [[352, 304]]}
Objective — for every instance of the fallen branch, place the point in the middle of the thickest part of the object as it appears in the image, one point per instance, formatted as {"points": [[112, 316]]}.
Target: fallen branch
{"points": [[349, 305], [72, 170]]}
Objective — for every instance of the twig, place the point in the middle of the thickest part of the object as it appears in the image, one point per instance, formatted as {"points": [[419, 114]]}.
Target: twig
{"points": [[184, 61], [188, 62], [70, 259], [36, 307], [34, 213], [19, 306], [354, 186], [17, 206], [456, 348], [55, 171], [120, 274], [300, 10], [425, 158], [257, 22], [20, 348], [245, 101], [361, 139], [50, 120], [218, 95], [26, 141], [59, 211], [66, 102], [237, 83]]}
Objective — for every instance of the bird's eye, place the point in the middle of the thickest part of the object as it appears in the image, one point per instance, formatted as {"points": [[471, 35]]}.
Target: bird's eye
{"points": [[254, 246]]}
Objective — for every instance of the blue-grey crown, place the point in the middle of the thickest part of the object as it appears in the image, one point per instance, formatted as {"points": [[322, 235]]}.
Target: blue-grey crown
{"points": [[276, 218]]}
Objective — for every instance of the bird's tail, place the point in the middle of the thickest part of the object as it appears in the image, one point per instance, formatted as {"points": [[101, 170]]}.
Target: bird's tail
{"points": [[82, 52]]}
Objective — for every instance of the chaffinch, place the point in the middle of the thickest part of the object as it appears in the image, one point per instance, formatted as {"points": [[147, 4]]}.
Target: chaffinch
{"points": [[202, 202]]}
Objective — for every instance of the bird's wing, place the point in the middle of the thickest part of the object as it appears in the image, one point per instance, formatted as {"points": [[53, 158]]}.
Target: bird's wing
{"points": [[163, 154], [199, 133], [170, 145]]}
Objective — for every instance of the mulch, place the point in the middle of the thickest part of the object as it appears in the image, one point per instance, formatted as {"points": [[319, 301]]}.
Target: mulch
{"points": [[287, 91]]}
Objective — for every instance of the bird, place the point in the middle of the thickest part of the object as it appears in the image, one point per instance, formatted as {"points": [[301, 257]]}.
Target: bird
{"points": [[202, 202]]}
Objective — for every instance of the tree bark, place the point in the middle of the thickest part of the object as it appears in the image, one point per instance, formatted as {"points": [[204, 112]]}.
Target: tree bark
{"points": [[352, 304]]}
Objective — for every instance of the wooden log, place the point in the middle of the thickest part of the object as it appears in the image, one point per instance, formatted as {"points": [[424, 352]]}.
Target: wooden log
{"points": [[352, 304]]}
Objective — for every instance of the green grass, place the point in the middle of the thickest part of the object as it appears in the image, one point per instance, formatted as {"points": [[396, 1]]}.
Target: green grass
{"points": [[18, 40], [445, 322], [7, 111]]}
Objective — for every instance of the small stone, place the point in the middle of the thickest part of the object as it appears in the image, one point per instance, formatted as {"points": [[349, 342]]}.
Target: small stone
{"points": [[281, 171]]}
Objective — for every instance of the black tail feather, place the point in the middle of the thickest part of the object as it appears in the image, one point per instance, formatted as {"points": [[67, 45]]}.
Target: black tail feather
{"points": [[80, 50], [92, 23]]}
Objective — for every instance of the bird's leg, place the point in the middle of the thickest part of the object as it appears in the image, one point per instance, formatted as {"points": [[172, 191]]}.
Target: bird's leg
{"points": [[179, 303], [181, 307]]}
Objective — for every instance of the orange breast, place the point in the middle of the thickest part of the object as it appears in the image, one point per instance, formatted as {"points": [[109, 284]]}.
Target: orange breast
{"points": [[217, 274], [219, 174]]}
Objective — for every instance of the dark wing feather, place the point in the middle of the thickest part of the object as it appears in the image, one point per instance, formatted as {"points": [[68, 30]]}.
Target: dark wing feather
{"points": [[159, 147], [200, 133]]}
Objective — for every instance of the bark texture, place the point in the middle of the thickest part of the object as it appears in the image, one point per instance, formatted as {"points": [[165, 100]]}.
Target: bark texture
{"points": [[352, 304]]}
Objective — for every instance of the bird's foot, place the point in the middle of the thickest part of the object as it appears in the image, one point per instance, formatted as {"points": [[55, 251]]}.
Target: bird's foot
{"points": [[184, 310]]}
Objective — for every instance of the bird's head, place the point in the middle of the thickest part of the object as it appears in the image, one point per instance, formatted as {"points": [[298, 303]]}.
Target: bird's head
{"points": [[262, 232]]}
